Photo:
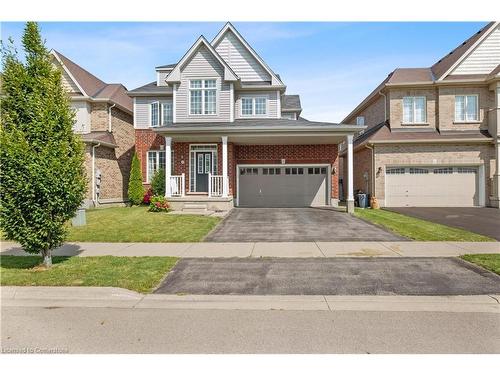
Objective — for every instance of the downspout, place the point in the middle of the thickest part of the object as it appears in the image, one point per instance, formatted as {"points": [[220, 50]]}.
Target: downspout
{"points": [[94, 200], [372, 175], [109, 117]]}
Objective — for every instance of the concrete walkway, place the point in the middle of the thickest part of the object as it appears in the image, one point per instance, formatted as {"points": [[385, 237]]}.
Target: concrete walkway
{"points": [[270, 249], [106, 297]]}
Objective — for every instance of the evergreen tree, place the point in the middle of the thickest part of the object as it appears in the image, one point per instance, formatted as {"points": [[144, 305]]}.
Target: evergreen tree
{"points": [[158, 183], [42, 175], [135, 188]]}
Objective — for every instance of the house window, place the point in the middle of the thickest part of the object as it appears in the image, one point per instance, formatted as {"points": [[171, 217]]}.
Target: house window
{"points": [[155, 118], [360, 120], [414, 110], [202, 97], [156, 161], [253, 106], [166, 113], [466, 108]]}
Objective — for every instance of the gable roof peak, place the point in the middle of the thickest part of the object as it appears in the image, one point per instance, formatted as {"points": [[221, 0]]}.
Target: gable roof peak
{"points": [[275, 79], [174, 75]]}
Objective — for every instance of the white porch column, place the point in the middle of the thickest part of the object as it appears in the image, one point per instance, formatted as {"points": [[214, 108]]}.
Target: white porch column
{"points": [[350, 175], [225, 178], [168, 166]]}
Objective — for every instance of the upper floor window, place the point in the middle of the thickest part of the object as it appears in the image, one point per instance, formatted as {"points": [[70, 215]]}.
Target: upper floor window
{"points": [[203, 97], [360, 120], [253, 106], [155, 114], [166, 113], [466, 108], [414, 110], [161, 113]]}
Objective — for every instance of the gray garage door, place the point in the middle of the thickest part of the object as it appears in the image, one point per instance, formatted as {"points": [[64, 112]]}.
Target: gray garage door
{"points": [[290, 186], [436, 186]]}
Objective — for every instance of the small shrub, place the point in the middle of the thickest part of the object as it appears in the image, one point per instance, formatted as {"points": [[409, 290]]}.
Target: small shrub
{"points": [[159, 204], [158, 182], [147, 197], [135, 188]]}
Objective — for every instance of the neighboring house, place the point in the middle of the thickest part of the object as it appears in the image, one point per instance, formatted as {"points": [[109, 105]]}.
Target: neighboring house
{"points": [[433, 133], [104, 119], [220, 124]]}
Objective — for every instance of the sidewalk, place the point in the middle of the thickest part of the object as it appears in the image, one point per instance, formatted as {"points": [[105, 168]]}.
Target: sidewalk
{"points": [[270, 249], [106, 297]]}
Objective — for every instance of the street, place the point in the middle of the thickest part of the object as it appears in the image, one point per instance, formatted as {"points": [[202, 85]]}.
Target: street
{"points": [[156, 330]]}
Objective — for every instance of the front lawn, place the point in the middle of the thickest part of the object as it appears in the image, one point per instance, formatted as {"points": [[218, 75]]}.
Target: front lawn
{"points": [[489, 261], [136, 224], [418, 229], [141, 274]]}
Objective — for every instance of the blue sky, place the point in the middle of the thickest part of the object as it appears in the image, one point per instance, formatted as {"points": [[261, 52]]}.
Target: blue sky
{"points": [[333, 66]]}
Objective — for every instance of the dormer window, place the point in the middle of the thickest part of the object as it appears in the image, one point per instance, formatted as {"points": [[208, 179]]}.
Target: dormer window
{"points": [[253, 106], [203, 97]]}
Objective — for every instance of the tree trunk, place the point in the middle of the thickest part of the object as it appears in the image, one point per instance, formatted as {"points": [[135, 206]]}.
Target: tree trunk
{"points": [[47, 258]]}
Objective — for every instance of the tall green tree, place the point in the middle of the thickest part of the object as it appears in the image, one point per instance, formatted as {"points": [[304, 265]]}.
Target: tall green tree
{"points": [[135, 188], [41, 173]]}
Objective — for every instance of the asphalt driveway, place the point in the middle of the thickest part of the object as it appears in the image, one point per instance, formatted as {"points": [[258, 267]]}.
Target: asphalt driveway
{"points": [[482, 220], [295, 225], [331, 276]]}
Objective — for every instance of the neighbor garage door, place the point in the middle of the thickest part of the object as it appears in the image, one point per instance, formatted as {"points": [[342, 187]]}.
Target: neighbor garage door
{"points": [[290, 186], [436, 186]]}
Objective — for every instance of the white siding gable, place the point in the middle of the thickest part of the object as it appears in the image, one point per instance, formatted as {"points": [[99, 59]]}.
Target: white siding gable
{"points": [[202, 65], [484, 58], [240, 59]]}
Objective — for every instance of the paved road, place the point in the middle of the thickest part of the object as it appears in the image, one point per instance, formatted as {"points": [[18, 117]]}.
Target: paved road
{"points": [[122, 330], [482, 220], [329, 276], [295, 225]]}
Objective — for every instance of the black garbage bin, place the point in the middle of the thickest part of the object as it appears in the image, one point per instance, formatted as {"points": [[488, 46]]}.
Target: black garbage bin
{"points": [[362, 200]]}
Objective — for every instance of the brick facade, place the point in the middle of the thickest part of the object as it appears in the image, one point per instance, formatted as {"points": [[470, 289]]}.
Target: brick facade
{"points": [[241, 154], [114, 163]]}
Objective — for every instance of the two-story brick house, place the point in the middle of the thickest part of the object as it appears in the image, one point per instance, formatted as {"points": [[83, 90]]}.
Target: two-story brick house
{"points": [[221, 125], [432, 135], [104, 119]]}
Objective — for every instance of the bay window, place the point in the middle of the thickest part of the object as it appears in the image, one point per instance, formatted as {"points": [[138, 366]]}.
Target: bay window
{"points": [[155, 115], [466, 108], [414, 110], [161, 113], [253, 106], [166, 113], [203, 97]]}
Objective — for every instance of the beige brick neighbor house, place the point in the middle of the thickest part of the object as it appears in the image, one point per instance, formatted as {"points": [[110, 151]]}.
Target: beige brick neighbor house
{"points": [[432, 135], [104, 119]]}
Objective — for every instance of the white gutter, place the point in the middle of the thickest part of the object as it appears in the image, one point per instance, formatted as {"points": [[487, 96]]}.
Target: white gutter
{"points": [[109, 117], [94, 200]]}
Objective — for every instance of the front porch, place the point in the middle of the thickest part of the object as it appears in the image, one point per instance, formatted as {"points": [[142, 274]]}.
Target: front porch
{"points": [[217, 167]]}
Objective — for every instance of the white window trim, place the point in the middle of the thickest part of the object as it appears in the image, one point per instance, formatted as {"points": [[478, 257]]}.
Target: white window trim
{"points": [[202, 88], [253, 97], [157, 162], [465, 121], [151, 112], [425, 112], [161, 112], [210, 147]]}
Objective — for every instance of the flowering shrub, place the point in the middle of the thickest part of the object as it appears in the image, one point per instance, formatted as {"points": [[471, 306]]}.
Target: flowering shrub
{"points": [[147, 197], [158, 204]]}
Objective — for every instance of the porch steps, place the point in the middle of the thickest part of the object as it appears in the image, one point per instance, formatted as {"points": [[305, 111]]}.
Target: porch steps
{"points": [[195, 208]]}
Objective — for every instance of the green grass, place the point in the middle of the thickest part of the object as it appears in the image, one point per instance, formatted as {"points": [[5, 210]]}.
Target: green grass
{"points": [[136, 224], [489, 261], [418, 229], [141, 274]]}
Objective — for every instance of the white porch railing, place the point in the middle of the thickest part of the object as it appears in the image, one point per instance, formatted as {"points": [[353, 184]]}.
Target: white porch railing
{"points": [[177, 185], [215, 185]]}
